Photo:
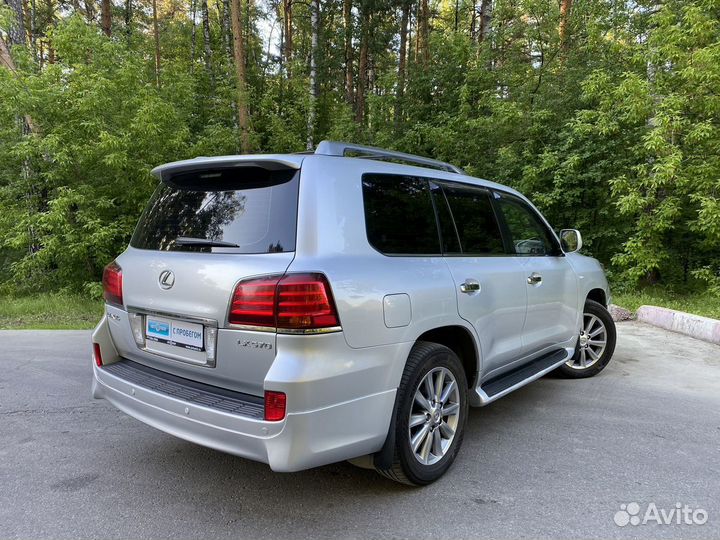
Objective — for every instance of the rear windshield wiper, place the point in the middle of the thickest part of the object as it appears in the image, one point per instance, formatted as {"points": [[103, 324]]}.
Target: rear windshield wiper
{"points": [[203, 242]]}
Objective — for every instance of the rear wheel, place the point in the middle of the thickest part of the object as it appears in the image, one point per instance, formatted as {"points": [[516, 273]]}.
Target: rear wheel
{"points": [[430, 418], [596, 343]]}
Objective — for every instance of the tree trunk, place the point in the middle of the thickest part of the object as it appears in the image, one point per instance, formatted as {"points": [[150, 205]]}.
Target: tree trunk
{"points": [[238, 25], [362, 70], [128, 17], [424, 32], [287, 48], [193, 34], [26, 19], [106, 17], [16, 31], [227, 32], [402, 61], [486, 9], [457, 10], [206, 36], [50, 10], [473, 22], [33, 28], [347, 18], [156, 33], [565, 7], [315, 29]]}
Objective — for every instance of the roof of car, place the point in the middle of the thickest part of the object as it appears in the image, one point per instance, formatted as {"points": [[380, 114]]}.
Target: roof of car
{"points": [[417, 165]]}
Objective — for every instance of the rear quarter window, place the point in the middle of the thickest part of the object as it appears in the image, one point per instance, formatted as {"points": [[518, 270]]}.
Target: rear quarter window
{"points": [[250, 208], [399, 215]]}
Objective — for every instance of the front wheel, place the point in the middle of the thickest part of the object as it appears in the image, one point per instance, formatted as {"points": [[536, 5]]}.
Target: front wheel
{"points": [[596, 343], [431, 413]]}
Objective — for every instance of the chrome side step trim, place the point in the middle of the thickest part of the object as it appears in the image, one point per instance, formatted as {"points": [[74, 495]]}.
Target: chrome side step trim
{"points": [[496, 388]]}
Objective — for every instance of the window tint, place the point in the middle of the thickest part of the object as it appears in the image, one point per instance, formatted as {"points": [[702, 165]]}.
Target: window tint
{"points": [[529, 235], [399, 215], [250, 208], [475, 220], [448, 233]]}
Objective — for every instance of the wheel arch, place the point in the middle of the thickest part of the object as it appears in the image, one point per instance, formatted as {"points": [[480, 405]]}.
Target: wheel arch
{"points": [[462, 342], [598, 295]]}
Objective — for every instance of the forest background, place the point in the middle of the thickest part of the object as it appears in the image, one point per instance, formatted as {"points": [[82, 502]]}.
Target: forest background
{"points": [[606, 113]]}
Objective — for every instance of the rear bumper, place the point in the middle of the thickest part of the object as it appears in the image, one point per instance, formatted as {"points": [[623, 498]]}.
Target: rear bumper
{"points": [[303, 440]]}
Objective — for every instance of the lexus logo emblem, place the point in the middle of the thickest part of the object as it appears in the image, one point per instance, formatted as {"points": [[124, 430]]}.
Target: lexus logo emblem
{"points": [[166, 279]]}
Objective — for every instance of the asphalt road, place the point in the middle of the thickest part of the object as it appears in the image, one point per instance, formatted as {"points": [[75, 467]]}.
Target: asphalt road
{"points": [[555, 459]]}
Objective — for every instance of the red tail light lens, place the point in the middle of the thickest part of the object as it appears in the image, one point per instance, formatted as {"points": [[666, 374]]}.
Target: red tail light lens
{"points": [[253, 302], [97, 355], [304, 301], [275, 403], [291, 302], [112, 284]]}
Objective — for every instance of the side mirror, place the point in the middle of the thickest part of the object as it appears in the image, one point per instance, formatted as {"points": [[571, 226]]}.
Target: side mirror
{"points": [[571, 240]]}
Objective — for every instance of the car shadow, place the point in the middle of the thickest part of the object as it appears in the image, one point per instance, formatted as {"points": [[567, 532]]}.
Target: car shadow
{"points": [[163, 456]]}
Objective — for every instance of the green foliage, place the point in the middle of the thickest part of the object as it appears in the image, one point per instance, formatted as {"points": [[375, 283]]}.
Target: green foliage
{"points": [[73, 188], [614, 131], [697, 303]]}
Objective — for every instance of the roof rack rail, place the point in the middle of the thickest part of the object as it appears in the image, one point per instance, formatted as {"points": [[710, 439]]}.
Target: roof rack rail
{"points": [[337, 148]]}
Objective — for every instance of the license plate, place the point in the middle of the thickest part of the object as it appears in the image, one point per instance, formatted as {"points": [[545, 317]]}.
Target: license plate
{"points": [[174, 332]]}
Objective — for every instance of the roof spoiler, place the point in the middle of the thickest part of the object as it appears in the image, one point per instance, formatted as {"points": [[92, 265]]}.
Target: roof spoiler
{"points": [[269, 163]]}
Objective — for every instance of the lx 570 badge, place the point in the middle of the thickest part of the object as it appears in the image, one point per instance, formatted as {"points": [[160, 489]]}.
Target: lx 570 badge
{"points": [[255, 344]]}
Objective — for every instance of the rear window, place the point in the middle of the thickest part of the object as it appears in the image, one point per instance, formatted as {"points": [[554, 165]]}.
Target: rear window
{"points": [[228, 210], [399, 215]]}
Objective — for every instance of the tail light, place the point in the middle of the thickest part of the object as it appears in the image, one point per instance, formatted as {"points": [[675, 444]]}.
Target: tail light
{"points": [[112, 284], [97, 355], [275, 403], [253, 302], [291, 302]]}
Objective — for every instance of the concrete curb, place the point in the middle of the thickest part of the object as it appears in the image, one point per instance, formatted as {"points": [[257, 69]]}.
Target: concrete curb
{"points": [[694, 326]]}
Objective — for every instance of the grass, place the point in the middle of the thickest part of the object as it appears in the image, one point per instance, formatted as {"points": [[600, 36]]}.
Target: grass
{"points": [[706, 304], [57, 311]]}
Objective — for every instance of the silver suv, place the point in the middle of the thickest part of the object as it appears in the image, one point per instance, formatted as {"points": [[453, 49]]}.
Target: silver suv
{"points": [[349, 304]]}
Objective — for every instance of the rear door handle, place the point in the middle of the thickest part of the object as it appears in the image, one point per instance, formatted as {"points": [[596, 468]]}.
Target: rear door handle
{"points": [[534, 278], [470, 286]]}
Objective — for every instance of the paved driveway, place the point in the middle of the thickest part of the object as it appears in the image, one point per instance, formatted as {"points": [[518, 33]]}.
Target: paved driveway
{"points": [[554, 459]]}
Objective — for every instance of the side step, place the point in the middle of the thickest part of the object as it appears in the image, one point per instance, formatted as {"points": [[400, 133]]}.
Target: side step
{"points": [[497, 387]]}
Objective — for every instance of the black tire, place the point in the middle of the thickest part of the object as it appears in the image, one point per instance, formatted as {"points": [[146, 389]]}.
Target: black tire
{"points": [[405, 467], [595, 309]]}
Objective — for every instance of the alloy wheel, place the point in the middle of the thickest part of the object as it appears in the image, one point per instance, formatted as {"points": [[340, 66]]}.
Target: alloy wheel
{"points": [[591, 344], [434, 416]]}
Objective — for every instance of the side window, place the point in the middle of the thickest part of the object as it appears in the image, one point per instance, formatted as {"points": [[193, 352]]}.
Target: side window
{"points": [[528, 234], [448, 233], [475, 220], [399, 215]]}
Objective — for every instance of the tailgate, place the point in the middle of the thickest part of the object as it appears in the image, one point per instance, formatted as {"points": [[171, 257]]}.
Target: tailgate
{"points": [[203, 231]]}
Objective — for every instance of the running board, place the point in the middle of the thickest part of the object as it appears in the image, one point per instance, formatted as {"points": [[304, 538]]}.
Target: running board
{"points": [[497, 387]]}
